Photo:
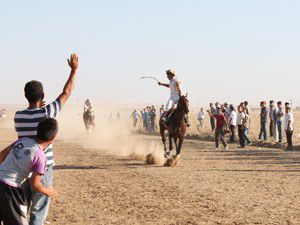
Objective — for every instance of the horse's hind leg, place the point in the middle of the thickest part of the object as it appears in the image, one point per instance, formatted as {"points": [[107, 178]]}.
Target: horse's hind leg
{"points": [[178, 150]]}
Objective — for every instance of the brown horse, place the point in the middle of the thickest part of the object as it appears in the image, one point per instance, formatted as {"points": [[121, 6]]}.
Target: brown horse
{"points": [[176, 126]]}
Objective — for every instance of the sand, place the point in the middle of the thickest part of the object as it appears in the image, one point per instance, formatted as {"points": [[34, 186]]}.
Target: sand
{"points": [[100, 182]]}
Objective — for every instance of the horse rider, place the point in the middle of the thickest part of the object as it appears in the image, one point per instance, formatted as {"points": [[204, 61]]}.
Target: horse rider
{"points": [[88, 107], [175, 94]]}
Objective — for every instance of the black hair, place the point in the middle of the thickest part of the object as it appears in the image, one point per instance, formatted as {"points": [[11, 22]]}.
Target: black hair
{"points": [[34, 91], [279, 102], [47, 129]]}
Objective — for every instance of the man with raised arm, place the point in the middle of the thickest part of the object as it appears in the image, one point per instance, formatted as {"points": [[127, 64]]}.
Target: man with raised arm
{"points": [[175, 93], [26, 122]]}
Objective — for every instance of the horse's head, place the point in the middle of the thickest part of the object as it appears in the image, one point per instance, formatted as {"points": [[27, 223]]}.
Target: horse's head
{"points": [[183, 104]]}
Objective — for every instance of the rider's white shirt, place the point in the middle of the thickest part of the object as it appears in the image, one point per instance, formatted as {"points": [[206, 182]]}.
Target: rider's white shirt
{"points": [[174, 95], [173, 89]]}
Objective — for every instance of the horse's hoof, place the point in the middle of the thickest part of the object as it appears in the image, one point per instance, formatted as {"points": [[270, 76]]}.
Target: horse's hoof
{"points": [[167, 154], [177, 156], [150, 159], [170, 162]]}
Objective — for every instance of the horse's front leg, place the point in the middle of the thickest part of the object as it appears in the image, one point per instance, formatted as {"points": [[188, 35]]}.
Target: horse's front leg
{"points": [[178, 150], [170, 143], [176, 144]]}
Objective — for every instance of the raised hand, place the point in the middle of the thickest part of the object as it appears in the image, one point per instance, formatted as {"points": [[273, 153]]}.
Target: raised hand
{"points": [[73, 62]]}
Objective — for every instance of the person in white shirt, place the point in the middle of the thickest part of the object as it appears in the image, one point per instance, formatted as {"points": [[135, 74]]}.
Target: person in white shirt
{"points": [[175, 94], [241, 120], [279, 120], [247, 126], [232, 123], [201, 116], [175, 90], [289, 127]]}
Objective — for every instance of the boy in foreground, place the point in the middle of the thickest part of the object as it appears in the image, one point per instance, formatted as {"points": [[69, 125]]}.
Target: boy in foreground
{"points": [[22, 160], [26, 122]]}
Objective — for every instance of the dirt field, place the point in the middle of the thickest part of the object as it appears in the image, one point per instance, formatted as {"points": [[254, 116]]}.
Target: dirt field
{"points": [[99, 182]]}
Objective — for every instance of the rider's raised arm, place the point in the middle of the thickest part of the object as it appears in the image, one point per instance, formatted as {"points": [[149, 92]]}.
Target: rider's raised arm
{"points": [[163, 84], [69, 86]]}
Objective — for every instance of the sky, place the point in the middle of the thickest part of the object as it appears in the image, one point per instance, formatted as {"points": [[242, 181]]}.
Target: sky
{"points": [[221, 50]]}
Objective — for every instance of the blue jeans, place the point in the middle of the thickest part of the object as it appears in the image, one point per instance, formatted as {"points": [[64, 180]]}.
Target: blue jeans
{"points": [[247, 135], [212, 123], [279, 128], [40, 202], [263, 131]]}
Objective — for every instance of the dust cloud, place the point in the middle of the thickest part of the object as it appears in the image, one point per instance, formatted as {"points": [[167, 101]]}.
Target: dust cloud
{"points": [[110, 135]]}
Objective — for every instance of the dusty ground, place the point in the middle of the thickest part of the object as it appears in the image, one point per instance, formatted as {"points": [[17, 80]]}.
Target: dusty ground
{"points": [[99, 186]]}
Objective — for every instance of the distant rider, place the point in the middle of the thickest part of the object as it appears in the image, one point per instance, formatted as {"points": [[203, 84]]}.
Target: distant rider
{"points": [[88, 107]]}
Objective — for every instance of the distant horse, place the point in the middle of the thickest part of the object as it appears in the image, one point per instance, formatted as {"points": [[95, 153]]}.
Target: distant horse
{"points": [[89, 120], [176, 127]]}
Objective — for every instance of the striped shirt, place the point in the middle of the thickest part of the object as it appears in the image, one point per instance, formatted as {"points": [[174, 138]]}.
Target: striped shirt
{"points": [[26, 122]]}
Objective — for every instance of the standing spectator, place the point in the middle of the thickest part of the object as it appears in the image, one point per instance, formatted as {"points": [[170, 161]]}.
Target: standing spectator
{"points": [[221, 129], [152, 115], [287, 104], [118, 116], [218, 105], [263, 121], [280, 118], [275, 133], [271, 117], [242, 104], [148, 118], [201, 116], [227, 111], [144, 118], [212, 119], [232, 124], [241, 120], [289, 128], [246, 127], [162, 110], [246, 107], [135, 116]]}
